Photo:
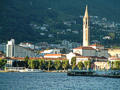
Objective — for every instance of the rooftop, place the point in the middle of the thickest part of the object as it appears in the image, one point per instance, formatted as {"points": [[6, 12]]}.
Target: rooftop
{"points": [[85, 48], [53, 55], [97, 45]]}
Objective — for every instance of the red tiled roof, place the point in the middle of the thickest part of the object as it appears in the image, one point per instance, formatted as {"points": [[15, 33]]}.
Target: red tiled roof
{"points": [[83, 57], [36, 58], [91, 57], [97, 45], [114, 58], [53, 55]]}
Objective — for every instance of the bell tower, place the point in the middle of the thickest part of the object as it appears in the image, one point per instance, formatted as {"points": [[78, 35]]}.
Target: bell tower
{"points": [[86, 28]]}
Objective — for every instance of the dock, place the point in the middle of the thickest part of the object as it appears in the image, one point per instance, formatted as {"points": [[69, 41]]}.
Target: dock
{"points": [[110, 74]]}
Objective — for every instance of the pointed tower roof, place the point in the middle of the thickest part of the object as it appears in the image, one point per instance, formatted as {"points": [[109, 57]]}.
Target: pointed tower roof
{"points": [[86, 11]]}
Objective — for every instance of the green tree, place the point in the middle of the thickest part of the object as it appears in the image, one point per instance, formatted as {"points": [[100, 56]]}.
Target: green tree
{"points": [[30, 64], [65, 64], [35, 64], [86, 64], [112, 64], [57, 64], [117, 65], [89, 64], [108, 63], [73, 60], [73, 63], [73, 66], [2, 63], [80, 65], [26, 61], [49, 65], [42, 64]]}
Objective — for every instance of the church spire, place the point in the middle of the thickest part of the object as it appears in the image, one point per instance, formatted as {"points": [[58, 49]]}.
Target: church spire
{"points": [[86, 28], [86, 12]]}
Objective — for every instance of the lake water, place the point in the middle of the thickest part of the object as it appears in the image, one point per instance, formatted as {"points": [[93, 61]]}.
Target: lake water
{"points": [[55, 81]]}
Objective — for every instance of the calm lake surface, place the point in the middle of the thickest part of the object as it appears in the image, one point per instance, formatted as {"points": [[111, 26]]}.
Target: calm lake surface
{"points": [[55, 81]]}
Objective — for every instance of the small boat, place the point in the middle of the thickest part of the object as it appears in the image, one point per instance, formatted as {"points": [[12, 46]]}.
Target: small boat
{"points": [[30, 70]]}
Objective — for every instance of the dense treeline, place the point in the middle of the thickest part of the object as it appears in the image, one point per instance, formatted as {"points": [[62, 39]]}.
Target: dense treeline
{"points": [[43, 64], [57, 64], [52, 65]]}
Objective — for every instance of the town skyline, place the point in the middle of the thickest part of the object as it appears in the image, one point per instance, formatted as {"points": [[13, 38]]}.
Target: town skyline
{"points": [[45, 44]]}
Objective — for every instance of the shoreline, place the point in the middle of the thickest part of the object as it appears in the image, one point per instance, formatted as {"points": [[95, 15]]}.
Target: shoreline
{"points": [[51, 71], [57, 71]]}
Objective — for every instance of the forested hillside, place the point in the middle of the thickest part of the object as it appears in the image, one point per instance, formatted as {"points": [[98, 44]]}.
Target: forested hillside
{"points": [[44, 20]]}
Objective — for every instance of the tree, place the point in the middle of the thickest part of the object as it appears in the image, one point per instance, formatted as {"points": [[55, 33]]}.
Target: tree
{"points": [[35, 64], [2, 63], [41, 64], [73, 66], [65, 64], [86, 64], [57, 64], [108, 63], [117, 65], [26, 61], [80, 65], [30, 64], [73, 62], [89, 64], [112, 63], [26, 58], [49, 64]]}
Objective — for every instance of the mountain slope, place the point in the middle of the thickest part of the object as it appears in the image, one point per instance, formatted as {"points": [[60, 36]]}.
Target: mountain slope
{"points": [[17, 15]]}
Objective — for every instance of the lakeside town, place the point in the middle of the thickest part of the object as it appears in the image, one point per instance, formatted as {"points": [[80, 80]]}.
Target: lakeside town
{"points": [[59, 57]]}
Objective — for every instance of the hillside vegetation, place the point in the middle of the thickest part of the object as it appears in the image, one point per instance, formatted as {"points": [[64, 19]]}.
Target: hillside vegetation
{"points": [[23, 19]]}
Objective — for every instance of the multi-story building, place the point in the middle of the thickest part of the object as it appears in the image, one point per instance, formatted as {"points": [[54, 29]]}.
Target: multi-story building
{"points": [[19, 51], [10, 51], [3, 47]]}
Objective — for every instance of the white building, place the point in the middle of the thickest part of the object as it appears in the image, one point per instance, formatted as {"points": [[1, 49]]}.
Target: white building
{"points": [[27, 45], [51, 51], [92, 50], [10, 51], [23, 52], [70, 56], [18, 51], [85, 51]]}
